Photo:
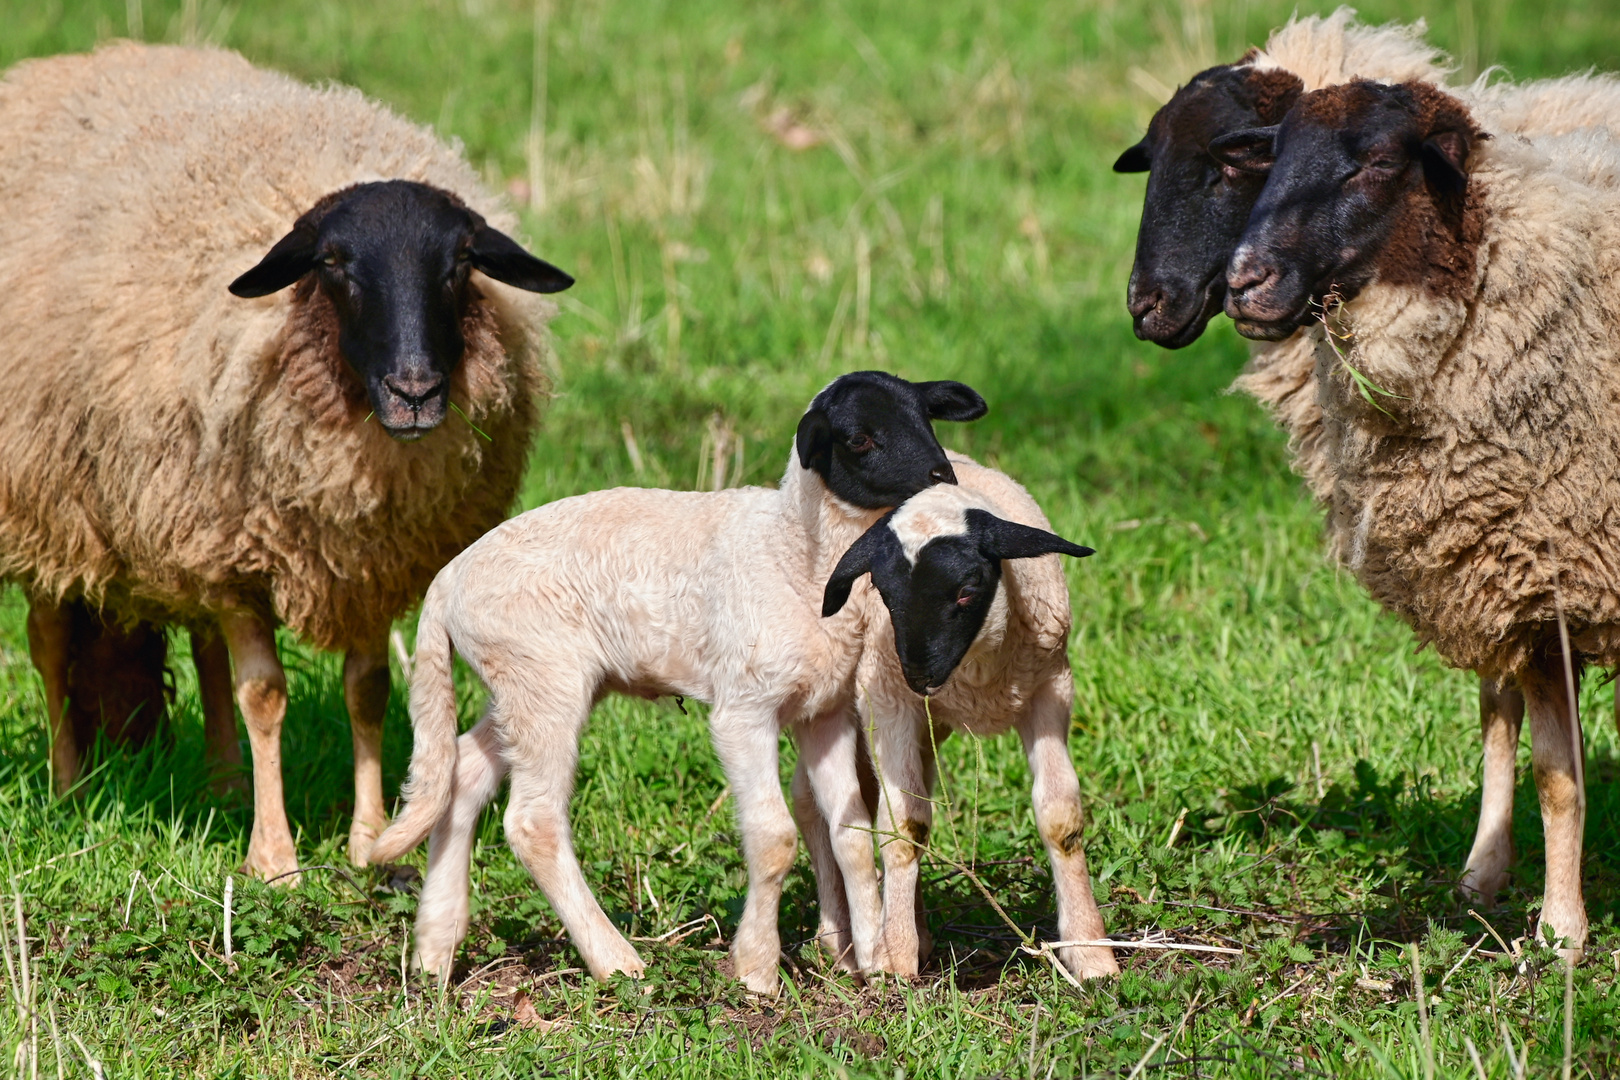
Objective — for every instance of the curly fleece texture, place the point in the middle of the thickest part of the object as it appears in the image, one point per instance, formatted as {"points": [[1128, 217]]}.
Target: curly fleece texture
{"points": [[168, 450]]}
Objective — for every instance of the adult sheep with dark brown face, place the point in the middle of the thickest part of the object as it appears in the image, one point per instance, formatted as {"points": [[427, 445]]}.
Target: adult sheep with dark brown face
{"points": [[172, 453], [1196, 209], [1468, 285]]}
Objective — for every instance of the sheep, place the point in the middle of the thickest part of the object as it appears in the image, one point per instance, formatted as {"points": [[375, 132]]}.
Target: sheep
{"points": [[1471, 280], [234, 462], [1190, 226], [975, 646], [708, 595]]}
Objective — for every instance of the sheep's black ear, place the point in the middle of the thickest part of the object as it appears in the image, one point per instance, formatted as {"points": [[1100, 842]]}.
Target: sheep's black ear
{"points": [[291, 258], [876, 547], [814, 441], [1134, 159], [948, 400], [1002, 539], [502, 258], [1444, 156], [1250, 150]]}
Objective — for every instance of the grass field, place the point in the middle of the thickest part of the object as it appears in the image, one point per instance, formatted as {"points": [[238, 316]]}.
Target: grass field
{"points": [[755, 198]]}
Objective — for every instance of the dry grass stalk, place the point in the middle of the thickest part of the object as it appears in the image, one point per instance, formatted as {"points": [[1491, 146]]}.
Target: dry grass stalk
{"points": [[720, 457], [1423, 1014], [631, 447], [230, 893], [535, 145]]}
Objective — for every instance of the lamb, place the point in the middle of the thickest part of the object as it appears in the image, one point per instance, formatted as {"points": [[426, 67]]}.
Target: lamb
{"points": [[1472, 280], [709, 595], [977, 647], [1189, 229], [232, 464]]}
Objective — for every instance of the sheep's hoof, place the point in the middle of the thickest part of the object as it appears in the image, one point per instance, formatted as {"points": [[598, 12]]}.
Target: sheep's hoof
{"points": [[764, 982], [1089, 963], [274, 861]]}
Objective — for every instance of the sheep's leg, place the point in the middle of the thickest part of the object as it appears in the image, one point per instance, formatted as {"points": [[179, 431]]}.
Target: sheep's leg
{"points": [[832, 928], [442, 913], [222, 754], [261, 693], [827, 749], [1557, 754], [542, 734], [365, 690], [901, 755], [1044, 728], [746, 742], [50, 633], [1501, 712]]}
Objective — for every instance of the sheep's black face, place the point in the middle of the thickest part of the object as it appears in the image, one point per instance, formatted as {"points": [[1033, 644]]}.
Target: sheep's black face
{"points": [[939, 597], [869, 437], [395, 259], [1195, 207], [1354, 174]]}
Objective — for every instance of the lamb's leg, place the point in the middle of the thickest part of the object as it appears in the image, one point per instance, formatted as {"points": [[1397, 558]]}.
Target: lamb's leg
{"points": [[897, 734], [222, 754], [746, 741], [50, 632], [827, 749], [832, 929], [261, 693], [1501, 712], [1558, 756], [541, 731], [365, 690], [1044, 729], [442, 913]]}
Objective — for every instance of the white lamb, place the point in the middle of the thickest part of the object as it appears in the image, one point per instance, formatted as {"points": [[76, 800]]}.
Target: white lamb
{"points": [[711, 595], [979, 647]]}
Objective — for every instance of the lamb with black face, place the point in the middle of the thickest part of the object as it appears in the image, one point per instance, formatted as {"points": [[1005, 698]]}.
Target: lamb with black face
{"points": [[939, 580]]}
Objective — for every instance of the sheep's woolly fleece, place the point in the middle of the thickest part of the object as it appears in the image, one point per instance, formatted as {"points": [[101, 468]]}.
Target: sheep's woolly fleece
{"points": [[1023, 645], [168, 449], [1485, 497], [1282, 375]]}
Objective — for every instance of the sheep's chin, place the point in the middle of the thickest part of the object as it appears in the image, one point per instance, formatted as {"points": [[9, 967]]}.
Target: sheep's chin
{"points": [[409, 432]]}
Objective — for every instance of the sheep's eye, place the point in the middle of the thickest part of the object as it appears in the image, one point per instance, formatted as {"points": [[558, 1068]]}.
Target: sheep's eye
{"points": [[860, 443], [464, 256], [330, 259], [965, 595]]}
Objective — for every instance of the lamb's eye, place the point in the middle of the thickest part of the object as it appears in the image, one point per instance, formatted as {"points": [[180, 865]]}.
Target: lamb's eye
{"points": [[860, 443], [330, 259], [464, 256], [965, 595]]}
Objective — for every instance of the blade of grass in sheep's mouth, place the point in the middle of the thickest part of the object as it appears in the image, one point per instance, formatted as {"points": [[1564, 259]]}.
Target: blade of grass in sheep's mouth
{"points": [[470, 424]]}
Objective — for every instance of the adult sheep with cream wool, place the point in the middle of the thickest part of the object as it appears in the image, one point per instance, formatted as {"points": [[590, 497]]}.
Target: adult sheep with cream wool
{"points": [[1472, 281], [972, 636], [1191, 222], [709, 595], [175, 454]]}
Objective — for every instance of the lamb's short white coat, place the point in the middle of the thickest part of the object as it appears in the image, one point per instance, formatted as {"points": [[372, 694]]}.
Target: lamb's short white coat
{"points": [[710, 595]]}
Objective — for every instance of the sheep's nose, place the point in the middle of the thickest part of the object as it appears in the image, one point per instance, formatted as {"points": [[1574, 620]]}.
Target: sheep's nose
{"points": [[414, 390], [1139, 305], [942, 474], [1249, 273]]}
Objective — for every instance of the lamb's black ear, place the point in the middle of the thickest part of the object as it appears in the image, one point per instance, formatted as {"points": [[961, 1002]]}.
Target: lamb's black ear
{"points": [[876, 546], [1250, 150], [1134, 159], [1002, 539], [1445, 157], [814, 441], [504, 259], [949, 400], [292, 257]]}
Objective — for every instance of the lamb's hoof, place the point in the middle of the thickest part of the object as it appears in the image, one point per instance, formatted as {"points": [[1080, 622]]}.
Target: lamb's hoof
{"points": [[1479, 885], [361, 837], [1571, 942], [1089, 963], [623, 960], [764, 982]]}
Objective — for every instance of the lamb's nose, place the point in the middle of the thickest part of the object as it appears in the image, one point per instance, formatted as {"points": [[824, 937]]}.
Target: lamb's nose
{"points": [[414, 390], [942, 474]]}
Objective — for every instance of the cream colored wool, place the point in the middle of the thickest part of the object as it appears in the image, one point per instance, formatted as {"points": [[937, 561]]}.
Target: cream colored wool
{"points": [[171, 451], [1488, 492]]}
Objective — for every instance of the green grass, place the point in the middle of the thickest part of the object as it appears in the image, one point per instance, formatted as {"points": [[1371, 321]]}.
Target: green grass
{"points": [[957, 218]]}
